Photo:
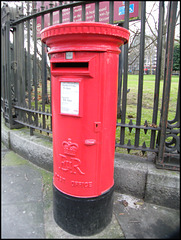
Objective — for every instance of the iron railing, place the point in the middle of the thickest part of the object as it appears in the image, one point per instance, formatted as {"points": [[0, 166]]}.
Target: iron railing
{"points": [[26, 78]]}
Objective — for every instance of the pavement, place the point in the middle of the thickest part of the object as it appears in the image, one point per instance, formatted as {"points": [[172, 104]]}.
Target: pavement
{"points": [[26, 208]]}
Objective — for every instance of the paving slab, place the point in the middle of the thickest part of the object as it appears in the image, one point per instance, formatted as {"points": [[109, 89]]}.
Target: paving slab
{"points": [[22, 203], [140, 220], [20, 179], [24, 220]]}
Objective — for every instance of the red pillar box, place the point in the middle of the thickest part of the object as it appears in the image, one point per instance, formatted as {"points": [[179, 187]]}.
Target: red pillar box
{"points": [[84, 74]]}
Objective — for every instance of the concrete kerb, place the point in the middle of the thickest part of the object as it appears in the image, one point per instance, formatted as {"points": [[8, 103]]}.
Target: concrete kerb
{"points": [[133, 175], [36, 148]]}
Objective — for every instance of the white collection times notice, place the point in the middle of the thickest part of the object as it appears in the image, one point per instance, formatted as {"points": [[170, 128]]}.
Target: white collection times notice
{"points": [[69, 98]]}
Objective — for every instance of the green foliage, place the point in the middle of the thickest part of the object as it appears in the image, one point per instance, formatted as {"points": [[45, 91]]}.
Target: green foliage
{"points": [[176, 57]]}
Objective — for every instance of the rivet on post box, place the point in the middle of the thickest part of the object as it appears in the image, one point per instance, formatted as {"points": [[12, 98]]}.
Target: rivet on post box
{"points": [[84, 74]]}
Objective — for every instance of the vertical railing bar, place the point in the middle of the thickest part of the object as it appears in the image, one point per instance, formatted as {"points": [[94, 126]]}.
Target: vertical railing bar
{"points": [[158, 71], [5, 70], [6, 78], [83, 12], [12, 69], [44, 69], [96, 11], [125, 76], [141, 66], [16, 54], [2, 69], [51, 23], [13, 75], [21, 57], [43, 76], [167, 77], [28, 60], [23, 71], [71, 13], [29, 66], [35, 63], [178, 104], [6, 73], [165, 69], [10, 81], [9, 72], [120, 80], [163, 92], [18, 39], [20, 71], [177, 114], [15, 64], [23, 63], [60, 13], [111, 12], [51, 13], [50, 102]]}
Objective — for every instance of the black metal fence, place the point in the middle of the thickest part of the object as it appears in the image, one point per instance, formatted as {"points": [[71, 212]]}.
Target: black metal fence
{"points": [[26, 79]]}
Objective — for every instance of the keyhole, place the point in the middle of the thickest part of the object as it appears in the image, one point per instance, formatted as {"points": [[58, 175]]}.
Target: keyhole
{"points": [[97, 126]]}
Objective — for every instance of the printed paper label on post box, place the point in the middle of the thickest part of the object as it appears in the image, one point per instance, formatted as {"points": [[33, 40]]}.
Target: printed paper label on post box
{"points": [[69, 98]]}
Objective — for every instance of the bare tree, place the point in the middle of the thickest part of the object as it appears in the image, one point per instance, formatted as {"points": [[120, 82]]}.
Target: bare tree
{"points": [[151, 34]]}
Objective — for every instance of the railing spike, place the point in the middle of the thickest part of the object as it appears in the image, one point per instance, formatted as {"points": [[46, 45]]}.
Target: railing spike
{"points": [[143, 146], [145, 131], [130, 123], [145, 125], [129, 142], [39, 111]]}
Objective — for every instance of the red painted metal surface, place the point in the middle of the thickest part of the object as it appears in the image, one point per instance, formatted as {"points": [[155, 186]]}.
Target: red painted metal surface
{"points": [[84, 71]]}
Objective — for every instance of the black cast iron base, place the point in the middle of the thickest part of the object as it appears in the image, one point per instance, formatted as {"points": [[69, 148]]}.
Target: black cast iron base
{"points": [[82, 216]]}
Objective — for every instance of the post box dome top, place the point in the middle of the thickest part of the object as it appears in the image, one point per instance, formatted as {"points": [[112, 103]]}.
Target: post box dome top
{"points": [[65, 32], [85, 28]]}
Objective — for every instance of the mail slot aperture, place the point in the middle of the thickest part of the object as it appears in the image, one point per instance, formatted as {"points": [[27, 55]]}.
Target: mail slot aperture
{"points": [[70, 65]]}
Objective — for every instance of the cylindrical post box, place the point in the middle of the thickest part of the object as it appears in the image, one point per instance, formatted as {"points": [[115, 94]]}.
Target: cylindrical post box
{"points": [[84, 74]]}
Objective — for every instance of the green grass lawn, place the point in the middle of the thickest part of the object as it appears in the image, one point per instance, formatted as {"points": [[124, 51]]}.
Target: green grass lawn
{"points": [[147, 106]]}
